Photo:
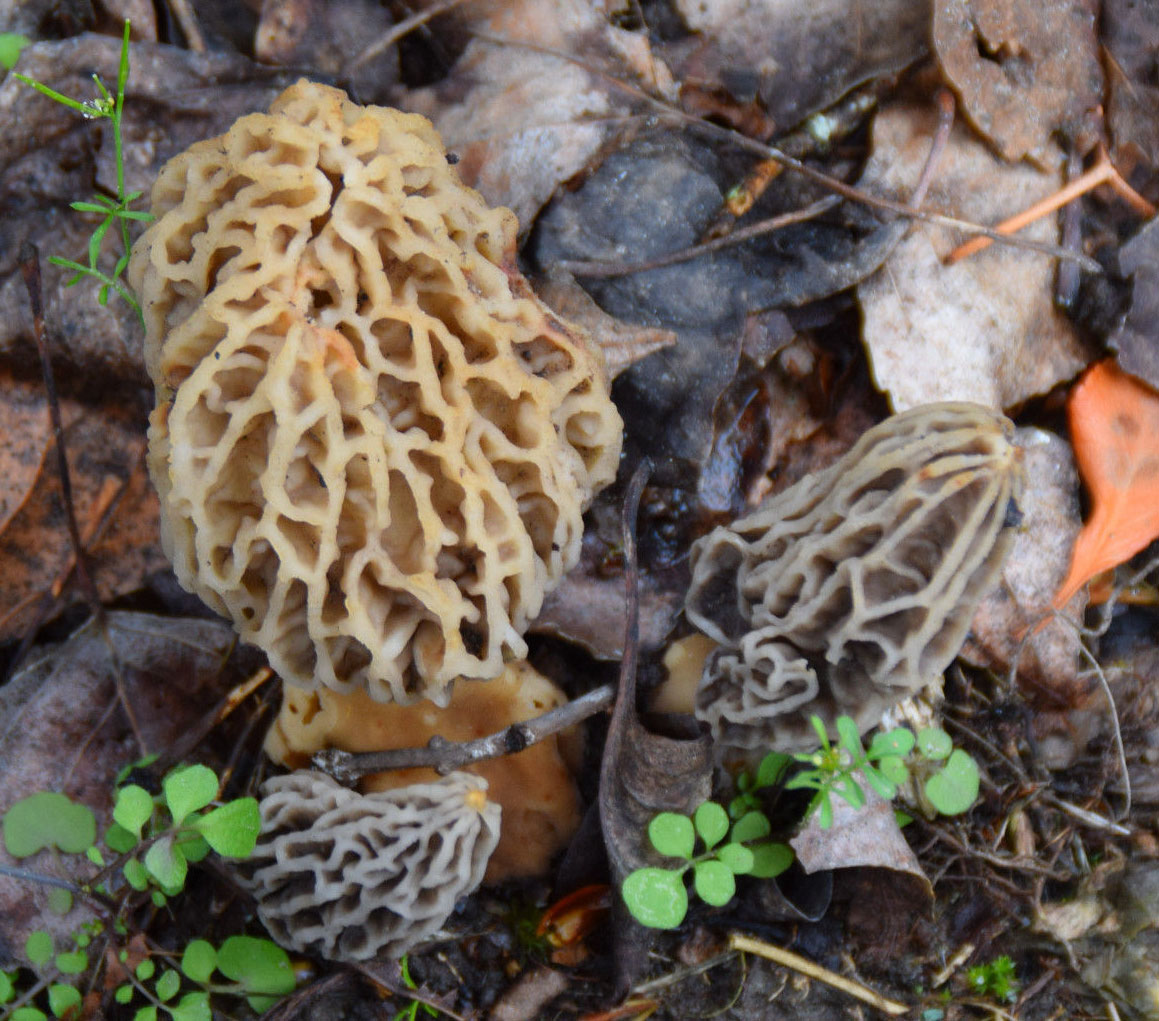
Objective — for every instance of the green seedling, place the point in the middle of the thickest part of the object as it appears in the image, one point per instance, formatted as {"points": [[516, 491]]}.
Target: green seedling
{"points": [[657, 896]]}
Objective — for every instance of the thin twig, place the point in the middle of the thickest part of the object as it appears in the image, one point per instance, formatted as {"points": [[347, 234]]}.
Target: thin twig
{"points": [[1116, 731], [787, 959], [30, 270], [188, 22], [945, 102], [444, 756], [29, 876], [599, 268], [380, 976], [764, 151], [397, 31], [1103, 172]]}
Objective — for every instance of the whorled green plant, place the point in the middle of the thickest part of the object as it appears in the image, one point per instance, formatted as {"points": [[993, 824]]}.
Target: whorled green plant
{"points": [[735, 841], [114, 212], [147, 849]]}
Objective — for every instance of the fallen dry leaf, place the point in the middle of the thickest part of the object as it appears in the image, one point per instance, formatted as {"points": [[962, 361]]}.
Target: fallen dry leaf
{"points": [[522, 119], [797, 58], [1024, 71], [115, 505], [865, 836], [1114, 425], [985, 329]]}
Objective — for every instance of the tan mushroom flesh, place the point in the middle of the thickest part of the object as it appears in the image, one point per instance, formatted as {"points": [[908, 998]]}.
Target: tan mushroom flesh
{"points": [[534, 787]]}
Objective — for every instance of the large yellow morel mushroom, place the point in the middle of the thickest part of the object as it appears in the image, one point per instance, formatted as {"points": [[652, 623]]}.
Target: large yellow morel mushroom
{"points": [[373, 444]]}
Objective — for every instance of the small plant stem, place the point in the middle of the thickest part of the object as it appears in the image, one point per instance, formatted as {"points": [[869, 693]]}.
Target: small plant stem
{"points": [[1103, 172], [122, 78], [786, 958]]}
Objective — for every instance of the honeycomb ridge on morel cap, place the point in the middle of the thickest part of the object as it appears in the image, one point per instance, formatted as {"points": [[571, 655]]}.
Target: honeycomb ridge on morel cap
{"points": [[349, 876], [855, 587], [373, 444]]}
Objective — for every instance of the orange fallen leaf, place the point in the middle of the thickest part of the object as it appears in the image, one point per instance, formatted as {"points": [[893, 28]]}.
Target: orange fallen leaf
{"points": [[1114, 427]]}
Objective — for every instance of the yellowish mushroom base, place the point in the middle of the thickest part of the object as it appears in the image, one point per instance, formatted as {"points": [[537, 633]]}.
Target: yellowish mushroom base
{"points": [[535, 787]]}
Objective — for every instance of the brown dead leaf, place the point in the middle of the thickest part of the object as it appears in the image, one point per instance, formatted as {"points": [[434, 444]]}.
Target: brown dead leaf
{"points": [[25, 433], [1006, 622], [1024, 71], [116, 507], [797, 58], [985, 329], [61, 730], [521, 119]]}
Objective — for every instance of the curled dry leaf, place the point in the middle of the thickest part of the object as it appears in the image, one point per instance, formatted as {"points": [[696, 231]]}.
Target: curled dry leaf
{"points": [[865, 836], [1114, 424]]}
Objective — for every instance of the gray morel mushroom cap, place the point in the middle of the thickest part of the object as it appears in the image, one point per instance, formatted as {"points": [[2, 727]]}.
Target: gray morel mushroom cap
{"points": [[348, 876], [856, 586]]}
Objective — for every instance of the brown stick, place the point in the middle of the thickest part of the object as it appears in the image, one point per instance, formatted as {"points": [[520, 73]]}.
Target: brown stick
{"points": [[443, 756]]}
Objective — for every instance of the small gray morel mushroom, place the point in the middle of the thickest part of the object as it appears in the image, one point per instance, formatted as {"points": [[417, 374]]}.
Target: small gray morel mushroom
{"points": [[350, 876], [855, 587]]}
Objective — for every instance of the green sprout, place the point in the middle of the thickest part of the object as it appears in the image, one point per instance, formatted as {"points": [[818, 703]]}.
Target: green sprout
{"points": [[411, 1011], [107, 107], [995, 979]]}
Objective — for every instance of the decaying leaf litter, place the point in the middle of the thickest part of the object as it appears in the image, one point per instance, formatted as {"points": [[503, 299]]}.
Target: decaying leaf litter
{"points": [[624, 139]]}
